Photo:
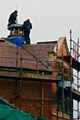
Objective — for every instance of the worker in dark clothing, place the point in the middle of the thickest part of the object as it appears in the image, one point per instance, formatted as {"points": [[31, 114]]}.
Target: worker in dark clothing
{"points": [[13, 18], [27, 26]]}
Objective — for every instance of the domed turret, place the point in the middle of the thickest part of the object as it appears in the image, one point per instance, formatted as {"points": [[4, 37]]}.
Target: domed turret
{"points": [[16, 34]]}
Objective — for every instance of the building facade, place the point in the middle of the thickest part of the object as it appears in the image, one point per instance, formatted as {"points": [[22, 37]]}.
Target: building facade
{"points": [[36, 77]]}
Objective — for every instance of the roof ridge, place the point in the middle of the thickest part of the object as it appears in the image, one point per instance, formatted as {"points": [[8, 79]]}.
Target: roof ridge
{"points": [[46, 42]]}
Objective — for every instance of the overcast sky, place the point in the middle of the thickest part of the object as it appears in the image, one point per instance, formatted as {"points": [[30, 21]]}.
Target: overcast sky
{"points": [[51, 19]]}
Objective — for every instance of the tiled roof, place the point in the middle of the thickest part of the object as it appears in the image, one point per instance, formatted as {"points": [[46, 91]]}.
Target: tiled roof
{"points": [[34, 56]]}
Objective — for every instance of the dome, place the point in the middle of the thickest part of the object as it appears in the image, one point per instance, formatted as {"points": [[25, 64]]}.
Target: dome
{"points": [[19, 41]]}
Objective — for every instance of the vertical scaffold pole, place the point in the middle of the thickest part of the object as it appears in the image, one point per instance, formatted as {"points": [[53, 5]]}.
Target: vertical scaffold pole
{"points": [[78, 76], [16, 81], [62, 88], [71, 117], [21, 82], [57, 84]]}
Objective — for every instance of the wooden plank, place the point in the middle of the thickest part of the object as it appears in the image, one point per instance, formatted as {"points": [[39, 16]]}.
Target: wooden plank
{"points": [[25, 75], [75, 94], [60, 115], [76, 91]]}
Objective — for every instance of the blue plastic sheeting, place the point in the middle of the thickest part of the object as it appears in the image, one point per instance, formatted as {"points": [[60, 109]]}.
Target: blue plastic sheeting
{"points": [[64, 84], [19, 41]]}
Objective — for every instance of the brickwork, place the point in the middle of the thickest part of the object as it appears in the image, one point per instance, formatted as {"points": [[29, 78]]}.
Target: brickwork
{"points": [[30, 95], [30, 100], [63, 49]]}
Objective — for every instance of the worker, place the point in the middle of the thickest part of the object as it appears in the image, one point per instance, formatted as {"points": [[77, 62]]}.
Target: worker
{"points": [[13, 18], [27, 26]]}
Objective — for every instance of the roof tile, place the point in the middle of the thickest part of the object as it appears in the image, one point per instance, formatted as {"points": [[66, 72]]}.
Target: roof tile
{"points": [[34, 56]]}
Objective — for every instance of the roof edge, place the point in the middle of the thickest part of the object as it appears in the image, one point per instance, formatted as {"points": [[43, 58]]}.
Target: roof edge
{"points": [[46, 42]]}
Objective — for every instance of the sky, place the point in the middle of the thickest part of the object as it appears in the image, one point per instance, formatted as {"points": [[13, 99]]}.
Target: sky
{"points": [[51, 19]]}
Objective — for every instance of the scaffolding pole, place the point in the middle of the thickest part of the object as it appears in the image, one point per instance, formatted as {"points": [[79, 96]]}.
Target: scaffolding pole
{"points": [[71, 101]]}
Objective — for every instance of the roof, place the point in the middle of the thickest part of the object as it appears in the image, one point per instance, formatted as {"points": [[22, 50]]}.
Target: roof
{"points": [[37, 55], [34, 56]]}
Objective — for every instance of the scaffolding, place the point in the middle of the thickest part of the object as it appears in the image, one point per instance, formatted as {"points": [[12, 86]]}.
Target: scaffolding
{"points": [[75, 68], [72, 91], [64, 79], [20, 74]]}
